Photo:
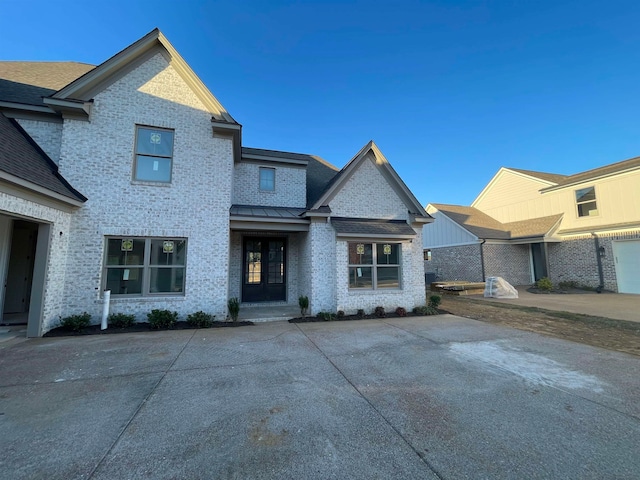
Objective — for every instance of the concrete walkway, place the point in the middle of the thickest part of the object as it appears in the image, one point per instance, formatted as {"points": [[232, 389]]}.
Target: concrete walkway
{"points": [[421, 397], [609, 305]]}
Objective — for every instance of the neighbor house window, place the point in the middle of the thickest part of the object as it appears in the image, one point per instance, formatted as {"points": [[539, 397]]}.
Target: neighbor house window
{"points": [[586, 202], [267, 179], [153, 155], [426, 255], [145, 266], [374, 265]]}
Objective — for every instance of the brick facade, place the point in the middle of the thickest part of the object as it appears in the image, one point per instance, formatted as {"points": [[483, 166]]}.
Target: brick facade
{"points": [[456, 263], [290, 188], [511, 262], [97, 159], [48, 136]]}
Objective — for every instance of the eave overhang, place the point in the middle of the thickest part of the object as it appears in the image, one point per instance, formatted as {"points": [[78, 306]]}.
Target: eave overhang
{"points": [[76, 109], [37, 189]]}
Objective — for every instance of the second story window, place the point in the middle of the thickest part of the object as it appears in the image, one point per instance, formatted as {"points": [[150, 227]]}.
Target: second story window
{"points": [[153, 154], [586, 202], [267, 179]]}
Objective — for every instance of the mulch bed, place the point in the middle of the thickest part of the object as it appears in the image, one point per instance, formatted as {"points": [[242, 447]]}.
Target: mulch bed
{"points": [[345, 318], [136, 327]]}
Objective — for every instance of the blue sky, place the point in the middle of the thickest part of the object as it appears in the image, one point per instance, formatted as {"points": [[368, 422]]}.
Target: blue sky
{"points": [[450, 91]]}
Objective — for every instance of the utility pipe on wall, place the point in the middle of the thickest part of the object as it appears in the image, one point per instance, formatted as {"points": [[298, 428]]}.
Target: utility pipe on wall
{"points": [[600, 272], [105, 309]]}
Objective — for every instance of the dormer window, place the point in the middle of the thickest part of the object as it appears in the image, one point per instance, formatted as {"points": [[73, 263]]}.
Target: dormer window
{"points": [[586, 202], [267, 179], [153, 154]]}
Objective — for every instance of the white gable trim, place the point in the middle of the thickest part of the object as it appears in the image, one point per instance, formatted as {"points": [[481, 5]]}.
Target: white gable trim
{"points": [[500, 174]]}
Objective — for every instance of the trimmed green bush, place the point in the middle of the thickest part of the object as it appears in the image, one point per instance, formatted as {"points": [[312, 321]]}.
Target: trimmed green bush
{"points": [[401, 312], [425, 310], [434, 301], [303, 302], [76, 322], [234, 308], [162, 319], [340, 314], [200, 319], [544, 284], [326, 316], [360, 313], [121, 320]]}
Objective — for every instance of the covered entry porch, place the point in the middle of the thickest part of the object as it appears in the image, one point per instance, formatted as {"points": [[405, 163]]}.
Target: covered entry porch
{"points": [[265, 269]]}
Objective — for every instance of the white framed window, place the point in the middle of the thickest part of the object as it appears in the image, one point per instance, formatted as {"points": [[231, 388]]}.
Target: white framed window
{"points": [[153, 154], [145, 266], [586, 202], [267, 179], [374, 265]]}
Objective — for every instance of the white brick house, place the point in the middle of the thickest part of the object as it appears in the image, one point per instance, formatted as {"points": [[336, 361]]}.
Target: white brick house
{"points": [[524, 225], [130, 176]]}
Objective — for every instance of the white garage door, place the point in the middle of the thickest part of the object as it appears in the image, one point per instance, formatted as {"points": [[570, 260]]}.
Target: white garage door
{"points": [[627, 258]]}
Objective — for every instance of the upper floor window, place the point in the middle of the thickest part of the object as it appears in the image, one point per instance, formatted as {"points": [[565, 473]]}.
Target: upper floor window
{"points": [[374, 265], [586, 202], [153, 155], [267, 179]]}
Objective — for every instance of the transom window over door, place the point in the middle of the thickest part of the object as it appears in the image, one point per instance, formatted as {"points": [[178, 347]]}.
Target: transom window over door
{"points": [[374, 265], [586, 202], [153, 154]]}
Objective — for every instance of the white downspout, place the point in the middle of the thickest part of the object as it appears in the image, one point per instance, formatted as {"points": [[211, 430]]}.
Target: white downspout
{"points": [[105, 309]]}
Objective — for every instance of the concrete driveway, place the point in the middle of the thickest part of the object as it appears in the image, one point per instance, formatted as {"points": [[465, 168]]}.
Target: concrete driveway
{"points": [[422, 397], [608, 305]]}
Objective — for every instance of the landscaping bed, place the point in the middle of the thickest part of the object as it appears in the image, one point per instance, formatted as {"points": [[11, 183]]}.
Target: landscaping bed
{"points": [[136, 327]]}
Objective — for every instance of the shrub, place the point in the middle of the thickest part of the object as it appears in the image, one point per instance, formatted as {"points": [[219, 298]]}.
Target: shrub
{"points": [[340, 314], [379, 312], [568, 285], [200, 319], [76, 322], [121, 320], [234, 308], [326, 316], [303, 302], [425, 310], [434, 301], [401, 312], [162, 319], [360, 313], [544, 284]]}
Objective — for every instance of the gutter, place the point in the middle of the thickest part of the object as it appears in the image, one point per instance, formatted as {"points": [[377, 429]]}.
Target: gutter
{"points": [[482, 258]]}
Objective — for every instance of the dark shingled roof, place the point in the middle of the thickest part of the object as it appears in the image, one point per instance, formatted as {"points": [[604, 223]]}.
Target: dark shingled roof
{"points": [[366, 226], [547, 177], [319, 172], [28, 82], [601, 171], [21, 157], [483, 226]]}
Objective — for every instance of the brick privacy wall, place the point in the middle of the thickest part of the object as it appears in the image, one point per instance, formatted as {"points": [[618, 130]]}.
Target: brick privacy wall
{"points": [[48, 135], [97, 159], [54, 301], [511, 262], [291, 186], [305, 267], [574, 259], [292, 268], [456, 263], [367, 194]]}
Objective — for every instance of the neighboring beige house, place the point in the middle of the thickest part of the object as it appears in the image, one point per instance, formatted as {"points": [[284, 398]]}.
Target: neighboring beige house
{"points": [[526, 225], [131, 176]]}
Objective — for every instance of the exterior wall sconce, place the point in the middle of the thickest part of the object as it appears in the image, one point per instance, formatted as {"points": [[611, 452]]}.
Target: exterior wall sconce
{"points": [[601, 252]]}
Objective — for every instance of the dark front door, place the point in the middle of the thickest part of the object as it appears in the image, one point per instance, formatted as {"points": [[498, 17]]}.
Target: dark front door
{"points": [[264, 269], [539, 261]]}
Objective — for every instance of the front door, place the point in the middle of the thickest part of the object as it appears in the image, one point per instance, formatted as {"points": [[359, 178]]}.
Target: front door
{"points": [[264, 269], [539, 261]]}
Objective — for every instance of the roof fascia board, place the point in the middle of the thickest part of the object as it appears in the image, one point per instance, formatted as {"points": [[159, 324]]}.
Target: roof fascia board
{"points": [[248, 218], [39, 114], [369, 236], [498, 176], [459, 244], [626, 171], [70, 109], [600, 229], [237, 224], [262, 159], [26, 190]]}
